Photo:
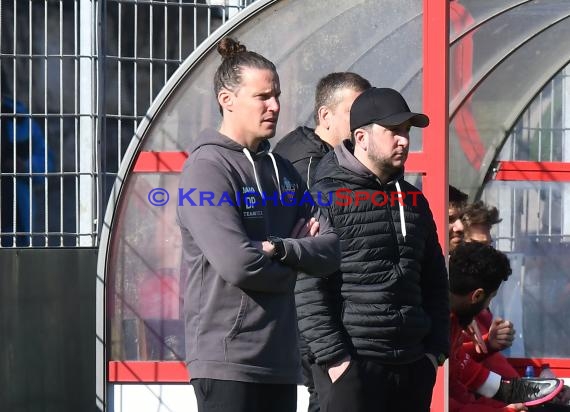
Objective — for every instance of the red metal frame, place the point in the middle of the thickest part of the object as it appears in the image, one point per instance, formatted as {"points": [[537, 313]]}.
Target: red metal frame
{"points": [[160, 162], [147, 371], [533, 171], [434, 158]]}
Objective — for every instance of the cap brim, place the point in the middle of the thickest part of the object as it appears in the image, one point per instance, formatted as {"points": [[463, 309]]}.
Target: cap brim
{"points": [[416, 119]]}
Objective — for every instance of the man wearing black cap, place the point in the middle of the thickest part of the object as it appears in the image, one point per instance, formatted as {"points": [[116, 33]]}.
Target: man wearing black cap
{"points": [[380, 326]]}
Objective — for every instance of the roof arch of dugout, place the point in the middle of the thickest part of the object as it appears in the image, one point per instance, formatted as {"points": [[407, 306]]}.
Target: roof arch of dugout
{"points": [[502, 53]]}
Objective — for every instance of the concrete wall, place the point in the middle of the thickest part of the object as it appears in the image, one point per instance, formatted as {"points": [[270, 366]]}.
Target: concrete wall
{"points": [[47, 330]]}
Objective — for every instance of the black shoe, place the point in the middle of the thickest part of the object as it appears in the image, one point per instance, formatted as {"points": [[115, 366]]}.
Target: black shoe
{"points": [[531, 391]]}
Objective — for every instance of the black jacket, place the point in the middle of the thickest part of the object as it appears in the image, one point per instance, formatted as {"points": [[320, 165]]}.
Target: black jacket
{"points": [[304, 148], [389, 300]]}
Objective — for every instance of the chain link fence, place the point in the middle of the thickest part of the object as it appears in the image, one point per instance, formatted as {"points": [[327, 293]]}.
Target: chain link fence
{"points": [[77, 76]]}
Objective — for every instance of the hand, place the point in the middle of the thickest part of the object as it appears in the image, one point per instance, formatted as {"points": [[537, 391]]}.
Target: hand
{"points": [[501, 334], [517, 407], [433, 360], [336, 370], [305, 228], [264, 247]]}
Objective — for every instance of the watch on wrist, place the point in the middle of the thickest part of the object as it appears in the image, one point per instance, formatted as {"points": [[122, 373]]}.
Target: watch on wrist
{"points": [[441, 359], [278, 247]]}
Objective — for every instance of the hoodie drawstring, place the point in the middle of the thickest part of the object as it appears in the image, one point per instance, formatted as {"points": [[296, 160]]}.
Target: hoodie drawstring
{"points": [[401, 207], [276, 172], [309, 172], [257, 182], [248, 155]]}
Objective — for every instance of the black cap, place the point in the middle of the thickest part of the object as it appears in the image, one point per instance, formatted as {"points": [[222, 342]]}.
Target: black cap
{"points": [[385, 107]]}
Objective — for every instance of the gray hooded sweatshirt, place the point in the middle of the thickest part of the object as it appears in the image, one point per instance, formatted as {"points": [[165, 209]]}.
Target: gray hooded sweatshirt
{"points": [[239, 306]]}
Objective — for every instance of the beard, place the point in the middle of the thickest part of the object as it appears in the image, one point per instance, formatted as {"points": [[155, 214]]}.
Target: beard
{"points": [[383, 163], [465, 315]]}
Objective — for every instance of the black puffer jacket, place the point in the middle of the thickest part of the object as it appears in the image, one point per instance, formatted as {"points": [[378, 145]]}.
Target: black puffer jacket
{"points": [[390, 299]]}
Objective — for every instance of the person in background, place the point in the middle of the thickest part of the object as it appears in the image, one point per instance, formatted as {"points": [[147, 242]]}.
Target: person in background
{"points": [[457, 202], [304, 148], [478, 219], [243, 246], [476, 271], [24, 151]]}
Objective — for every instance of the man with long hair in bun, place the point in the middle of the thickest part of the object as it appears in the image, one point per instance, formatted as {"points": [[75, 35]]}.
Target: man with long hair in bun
{"points": [[247, 230]]}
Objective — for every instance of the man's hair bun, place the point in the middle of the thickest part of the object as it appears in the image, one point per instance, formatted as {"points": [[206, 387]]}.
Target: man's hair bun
{"points": [[229, 47], [236, 57]]}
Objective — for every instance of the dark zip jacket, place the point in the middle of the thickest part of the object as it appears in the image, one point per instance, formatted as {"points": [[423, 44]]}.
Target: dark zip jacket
{"points": [[304, 149], [389, 301], [239, 307]]}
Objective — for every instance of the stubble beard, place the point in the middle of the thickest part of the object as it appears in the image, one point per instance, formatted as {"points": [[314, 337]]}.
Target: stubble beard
{"points": [[384, 164]]}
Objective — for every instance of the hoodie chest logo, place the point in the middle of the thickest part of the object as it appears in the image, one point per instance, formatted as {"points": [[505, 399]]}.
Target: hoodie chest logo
{"points": [[288, 190], [251, 203]]}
